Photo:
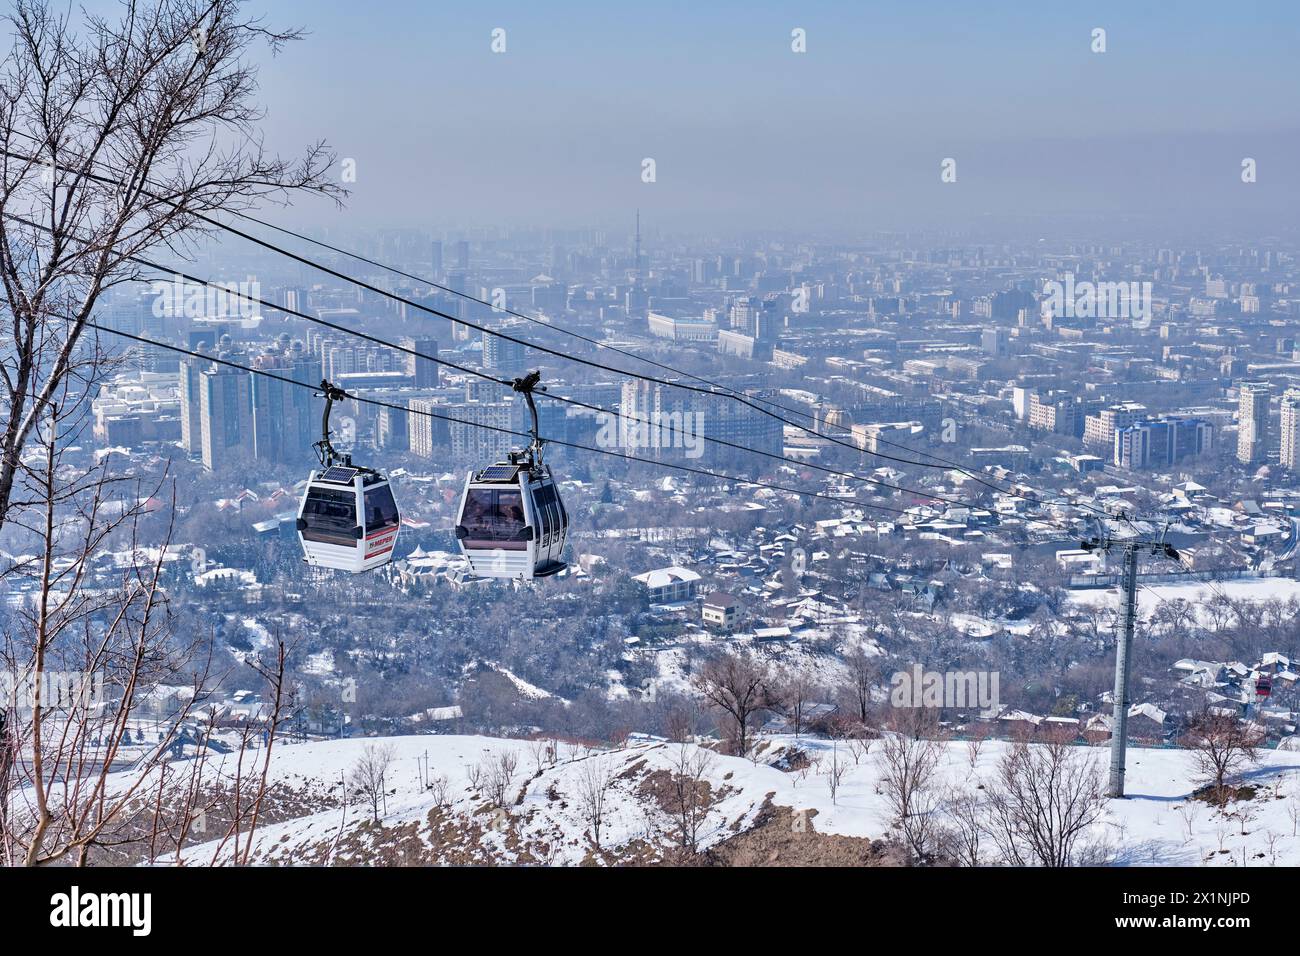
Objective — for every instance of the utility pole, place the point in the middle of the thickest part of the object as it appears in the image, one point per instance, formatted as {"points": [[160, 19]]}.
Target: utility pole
{"points": [[1124, 646]]}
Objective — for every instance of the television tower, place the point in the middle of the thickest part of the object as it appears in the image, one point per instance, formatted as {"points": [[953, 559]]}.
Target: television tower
{"points": [[638, 248]]}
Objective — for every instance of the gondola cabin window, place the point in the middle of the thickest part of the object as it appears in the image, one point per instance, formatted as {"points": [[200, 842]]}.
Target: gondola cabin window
{"points": [[331, 516], [381, 509], [494, 518]]}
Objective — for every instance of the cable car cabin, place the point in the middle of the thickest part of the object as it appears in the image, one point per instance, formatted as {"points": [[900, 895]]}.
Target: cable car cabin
{"points": [[1263, 686], [512, 522], [348, 519]]}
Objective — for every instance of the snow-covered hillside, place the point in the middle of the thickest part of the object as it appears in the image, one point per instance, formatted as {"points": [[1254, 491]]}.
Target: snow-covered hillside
{"points": [[544, 820]]}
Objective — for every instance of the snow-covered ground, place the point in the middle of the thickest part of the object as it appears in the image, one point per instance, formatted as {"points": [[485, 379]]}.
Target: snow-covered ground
{"points": [[543, 821], [1197, 593]]}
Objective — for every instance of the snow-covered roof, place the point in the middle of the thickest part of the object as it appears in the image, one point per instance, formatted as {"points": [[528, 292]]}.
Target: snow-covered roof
{"points": [[665, 577]]}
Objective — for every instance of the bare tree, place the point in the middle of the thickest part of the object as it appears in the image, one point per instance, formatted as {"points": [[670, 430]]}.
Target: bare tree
{"points": [[1042, 802], [919, 723], [859, 746], [974, 744], [539, 750], [596, 778], [439, 791], [369, 775], [1222, 746], [963, 836], [908, 766], [835, 772], [864, 673], [1187, 812], [116, 137], [110, 632], [735, 684], [789, 695], [690, 797], [498, 776]]}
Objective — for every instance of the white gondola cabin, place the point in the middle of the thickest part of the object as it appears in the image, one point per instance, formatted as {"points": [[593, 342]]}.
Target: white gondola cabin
{"points": [[348, 519], [512, 522]]}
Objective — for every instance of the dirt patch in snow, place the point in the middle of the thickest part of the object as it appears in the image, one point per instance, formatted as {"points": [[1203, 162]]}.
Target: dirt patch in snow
{"points": [[778, 838]]}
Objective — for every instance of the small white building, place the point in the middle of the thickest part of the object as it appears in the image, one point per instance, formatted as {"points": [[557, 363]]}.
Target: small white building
{"points": [[669, 585], [721, 610]]}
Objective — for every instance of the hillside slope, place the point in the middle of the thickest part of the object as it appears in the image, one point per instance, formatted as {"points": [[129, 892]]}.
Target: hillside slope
{"points": [[756, 812]]}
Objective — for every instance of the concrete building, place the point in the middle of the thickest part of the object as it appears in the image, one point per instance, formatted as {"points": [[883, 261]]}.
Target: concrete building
{"points": [[1290, 429], [1157, 443], [1252, 423], [1099, 429], [225, 418]]}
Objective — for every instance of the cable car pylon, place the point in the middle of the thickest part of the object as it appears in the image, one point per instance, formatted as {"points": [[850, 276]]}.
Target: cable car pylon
{"points": [[1104, 543]]}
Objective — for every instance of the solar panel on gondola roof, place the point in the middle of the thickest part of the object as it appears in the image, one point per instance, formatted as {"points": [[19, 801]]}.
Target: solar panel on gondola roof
{"points": [[340, 474], [499, 473]]}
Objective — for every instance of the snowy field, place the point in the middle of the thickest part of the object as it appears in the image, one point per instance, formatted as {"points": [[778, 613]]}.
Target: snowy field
{"points": [[1256, 590], [544, 823]]}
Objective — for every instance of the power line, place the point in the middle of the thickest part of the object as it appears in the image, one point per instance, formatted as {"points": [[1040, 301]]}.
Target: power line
{"points": [[506, 382], [495, 428], [728, 393], [715, 387]]}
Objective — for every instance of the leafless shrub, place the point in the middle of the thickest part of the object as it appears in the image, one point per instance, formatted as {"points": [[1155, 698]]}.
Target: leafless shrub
{"points": [[859, 747], [440, 791], [908, 766], [690, 797], [964, 833], [1222, 746], [369, 776], [835, 773], [540, 750], [1042, 802], [1188, 812], [596, 778], [1271, 838], [498, 775], [974, 745]]}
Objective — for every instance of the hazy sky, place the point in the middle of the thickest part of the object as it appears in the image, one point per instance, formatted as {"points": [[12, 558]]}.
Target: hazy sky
{"points": [[746, 133]]}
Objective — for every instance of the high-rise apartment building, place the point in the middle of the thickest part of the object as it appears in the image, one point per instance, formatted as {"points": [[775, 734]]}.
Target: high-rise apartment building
{"points": [[423, 370], [1099, 429], [191, 421], [1291, 429], [226, 417], [427, 436], [286, 418], [1252, 423], [436, 261]]}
